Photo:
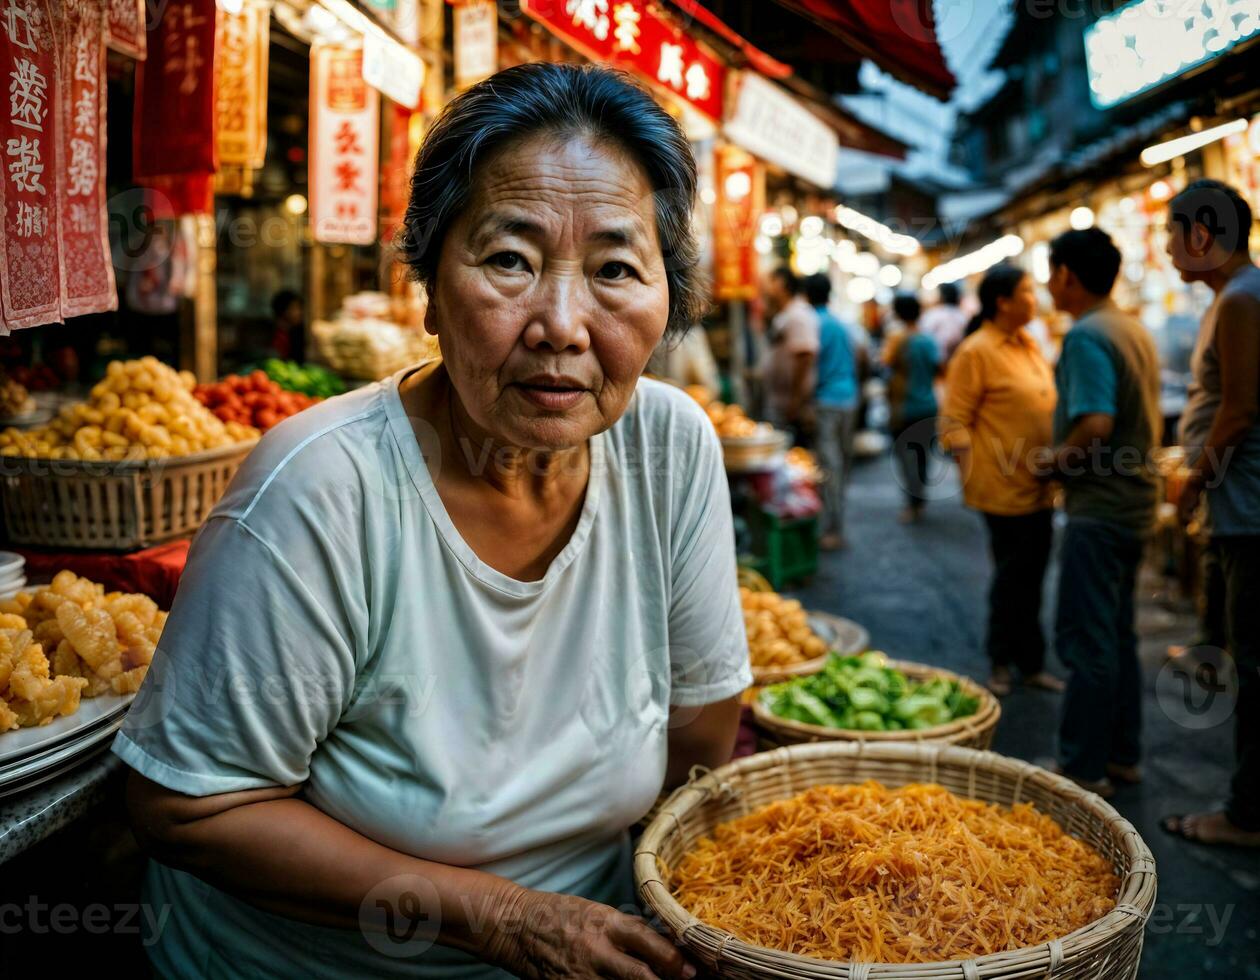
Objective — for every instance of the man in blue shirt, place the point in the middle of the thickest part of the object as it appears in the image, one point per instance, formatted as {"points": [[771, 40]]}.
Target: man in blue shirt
{"points": [[836, 403], [1106, 425]]}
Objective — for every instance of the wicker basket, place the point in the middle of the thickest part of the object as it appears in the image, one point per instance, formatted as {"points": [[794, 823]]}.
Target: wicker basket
{"points": [[67, 503], [754, 453], [842, 635], [973, 732], [1107, 949]]}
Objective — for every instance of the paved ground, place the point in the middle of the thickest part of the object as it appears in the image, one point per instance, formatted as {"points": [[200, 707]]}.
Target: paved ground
{"points": [[920, 590]]}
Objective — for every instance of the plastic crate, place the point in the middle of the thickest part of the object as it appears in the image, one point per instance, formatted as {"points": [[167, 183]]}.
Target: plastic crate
{"points": [[784, 550]]}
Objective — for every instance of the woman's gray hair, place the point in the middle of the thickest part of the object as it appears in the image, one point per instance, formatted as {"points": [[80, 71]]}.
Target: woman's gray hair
{"points": [[567, 100]]}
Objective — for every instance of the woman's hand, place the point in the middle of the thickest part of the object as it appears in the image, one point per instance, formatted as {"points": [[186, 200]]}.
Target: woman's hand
{"points": [[543, 934]]}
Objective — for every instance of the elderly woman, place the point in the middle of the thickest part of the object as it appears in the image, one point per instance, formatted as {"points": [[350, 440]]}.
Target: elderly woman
{"points": [[447, 637]]}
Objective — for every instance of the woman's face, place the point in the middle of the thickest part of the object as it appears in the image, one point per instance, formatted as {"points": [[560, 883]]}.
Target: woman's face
{"points": [[1021, 306], [550, 292]]}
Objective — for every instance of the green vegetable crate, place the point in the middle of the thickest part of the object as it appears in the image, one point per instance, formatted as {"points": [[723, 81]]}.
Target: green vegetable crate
{"points": [[784, 550], [883, 700]]}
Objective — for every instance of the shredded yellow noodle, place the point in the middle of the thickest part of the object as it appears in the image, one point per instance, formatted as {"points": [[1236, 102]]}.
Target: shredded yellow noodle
{"points": [[909, 875]]}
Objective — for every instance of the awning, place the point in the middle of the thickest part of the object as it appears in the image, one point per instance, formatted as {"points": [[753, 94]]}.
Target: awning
{"points": [[898, 35]]}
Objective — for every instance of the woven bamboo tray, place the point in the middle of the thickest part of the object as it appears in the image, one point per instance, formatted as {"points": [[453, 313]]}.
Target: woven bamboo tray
{"points": [[123, 505], [973, 732], [1109, 948]]}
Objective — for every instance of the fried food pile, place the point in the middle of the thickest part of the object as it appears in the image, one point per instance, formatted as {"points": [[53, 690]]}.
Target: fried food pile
{"points": [[729, 420], [14, 398], [71, 639], [141, 409], [778, 630]]}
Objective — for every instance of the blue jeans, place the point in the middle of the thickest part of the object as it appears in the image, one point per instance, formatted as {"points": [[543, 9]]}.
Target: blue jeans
{"points": [[1095, 638]]}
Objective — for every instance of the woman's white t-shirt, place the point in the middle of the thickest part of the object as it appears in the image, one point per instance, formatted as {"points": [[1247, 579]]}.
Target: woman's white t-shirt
{"points": [[333, 629]]}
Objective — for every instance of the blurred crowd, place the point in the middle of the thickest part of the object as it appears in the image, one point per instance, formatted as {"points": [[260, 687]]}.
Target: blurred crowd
{"points": [[1035, 419]]}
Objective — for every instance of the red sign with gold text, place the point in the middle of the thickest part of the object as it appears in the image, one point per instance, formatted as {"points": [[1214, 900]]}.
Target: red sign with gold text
{"points": [[175, 109], [631, 34], [89, 270], [124, 27], [30, 260]]}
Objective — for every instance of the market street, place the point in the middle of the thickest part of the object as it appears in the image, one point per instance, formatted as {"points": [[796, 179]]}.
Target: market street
{"points": [[920, 590]]}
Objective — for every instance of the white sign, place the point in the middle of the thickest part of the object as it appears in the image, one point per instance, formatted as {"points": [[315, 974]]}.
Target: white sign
{"points": [[771, 124], [392, 70], [476, 41], [1150, 41], [344, 164]]}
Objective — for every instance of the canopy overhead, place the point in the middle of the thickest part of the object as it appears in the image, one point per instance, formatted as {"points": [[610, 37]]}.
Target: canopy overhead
{"points": [[899, 36]]}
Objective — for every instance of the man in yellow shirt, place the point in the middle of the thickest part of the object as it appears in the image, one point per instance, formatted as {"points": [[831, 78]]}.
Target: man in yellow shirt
{"points": [[999, 406]]}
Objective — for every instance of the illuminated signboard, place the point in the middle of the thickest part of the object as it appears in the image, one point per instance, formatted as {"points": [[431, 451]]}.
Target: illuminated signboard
{"points": [[1151, 41], [630, 34]]}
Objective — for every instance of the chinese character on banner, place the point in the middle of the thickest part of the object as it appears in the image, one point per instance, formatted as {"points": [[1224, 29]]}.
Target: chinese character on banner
{"points": [[89, 269], [124, 27], [642, 37], [31, 275], [175, 114], [241, 98], [344, 133], [627, 30]]}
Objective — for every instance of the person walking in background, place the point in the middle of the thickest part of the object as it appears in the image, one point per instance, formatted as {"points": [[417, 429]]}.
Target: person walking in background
{"points": [[945, 322], [1106, 424], [1208, 227], [836, 400], [792, 356], [997, 414], [288, 335], [913, 362]]}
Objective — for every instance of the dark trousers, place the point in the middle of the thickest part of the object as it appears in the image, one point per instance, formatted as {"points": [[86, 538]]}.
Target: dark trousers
{"points": [[912, 445], [1095, 638], [1212, 598], [1240, 563], [1020, 545]]}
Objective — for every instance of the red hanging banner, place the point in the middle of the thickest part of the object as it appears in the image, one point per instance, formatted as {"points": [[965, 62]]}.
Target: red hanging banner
{"points": [[124, 27], [89, 271], [175, 107], [30, 260]]}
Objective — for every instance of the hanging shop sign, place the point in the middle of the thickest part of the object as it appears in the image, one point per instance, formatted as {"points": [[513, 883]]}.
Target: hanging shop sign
{"points": [[241, 95], [476, 41], [175, 104], [1151, 41], [30, 253], [740, 184], [392, 70], [776, 127], [396, 170], [344, 128], [633, 35], [124, 27], [84, 219]]}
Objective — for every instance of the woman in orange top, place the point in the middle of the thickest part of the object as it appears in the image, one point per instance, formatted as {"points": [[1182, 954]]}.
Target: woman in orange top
{"points": [[999, 403]]}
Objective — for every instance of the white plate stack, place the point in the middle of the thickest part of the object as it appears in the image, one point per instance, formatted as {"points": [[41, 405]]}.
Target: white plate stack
{"points": [[30, 756], [12, 574]]}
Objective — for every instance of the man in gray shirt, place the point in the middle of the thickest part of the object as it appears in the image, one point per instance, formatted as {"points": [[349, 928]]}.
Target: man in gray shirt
{"points": [[793, 352], [1209, 224]]}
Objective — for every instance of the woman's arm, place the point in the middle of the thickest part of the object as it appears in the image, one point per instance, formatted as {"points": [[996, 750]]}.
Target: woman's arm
{"points": [[703, 736], [281, 854]]}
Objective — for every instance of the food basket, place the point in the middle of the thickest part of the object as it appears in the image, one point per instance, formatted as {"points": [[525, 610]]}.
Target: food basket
{"points": [[118, 505], [974, 731], [1107, 949], [743, 454], [842, 635]]}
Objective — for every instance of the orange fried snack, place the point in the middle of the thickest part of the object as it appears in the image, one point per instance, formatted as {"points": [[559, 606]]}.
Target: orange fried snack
{"points": [[96, 642], [29, 694], [909, 875]]}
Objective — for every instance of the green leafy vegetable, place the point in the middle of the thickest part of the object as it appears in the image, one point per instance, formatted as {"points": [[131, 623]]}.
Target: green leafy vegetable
{"points": [[865, 694]]}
